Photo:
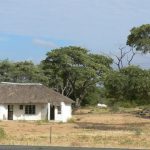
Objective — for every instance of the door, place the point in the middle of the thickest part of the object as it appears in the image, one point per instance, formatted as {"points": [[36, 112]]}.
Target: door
{"points": [[10, 112], [52, 112]]}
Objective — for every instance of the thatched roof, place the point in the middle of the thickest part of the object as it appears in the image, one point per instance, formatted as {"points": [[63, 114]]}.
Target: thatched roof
{"points": [[24, 93]]}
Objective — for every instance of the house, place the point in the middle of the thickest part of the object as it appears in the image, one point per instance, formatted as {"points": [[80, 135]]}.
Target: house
{"points": [[32, 101]]}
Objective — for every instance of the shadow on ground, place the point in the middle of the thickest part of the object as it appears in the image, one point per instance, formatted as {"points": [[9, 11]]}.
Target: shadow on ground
{"points": [[107, 127]]}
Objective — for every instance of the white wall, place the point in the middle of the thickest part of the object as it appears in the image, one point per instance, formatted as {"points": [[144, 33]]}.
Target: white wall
{"points": [[20, 114], [44, 112], [3, 112], [41, 112], [66, 112]]}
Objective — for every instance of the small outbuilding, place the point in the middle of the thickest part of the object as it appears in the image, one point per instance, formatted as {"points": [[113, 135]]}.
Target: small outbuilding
{"points": [[33, 101]]}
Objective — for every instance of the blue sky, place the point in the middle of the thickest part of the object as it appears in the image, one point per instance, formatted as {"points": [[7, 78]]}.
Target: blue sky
{"points": [[30, 28]]}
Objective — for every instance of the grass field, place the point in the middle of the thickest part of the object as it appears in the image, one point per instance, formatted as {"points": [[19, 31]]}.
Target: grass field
{"points": [[96, 129]]}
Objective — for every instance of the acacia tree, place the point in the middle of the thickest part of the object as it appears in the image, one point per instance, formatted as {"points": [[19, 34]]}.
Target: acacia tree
{"points": [[6, 70], [27, 71], [139, 38], [72, 71], [21, 72]]}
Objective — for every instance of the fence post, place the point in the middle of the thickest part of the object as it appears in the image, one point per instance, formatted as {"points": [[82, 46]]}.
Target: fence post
{"points": [[50, 135]]}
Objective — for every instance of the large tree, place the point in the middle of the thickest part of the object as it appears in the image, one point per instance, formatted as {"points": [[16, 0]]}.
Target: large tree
{"points": [[130, 83], [6, 71], [72, 71], [27, 71], [21, 72], [137, 86], [139, 38]]}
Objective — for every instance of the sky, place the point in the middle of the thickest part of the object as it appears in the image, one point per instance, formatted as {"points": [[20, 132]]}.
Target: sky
{"points": [[31, 28]]}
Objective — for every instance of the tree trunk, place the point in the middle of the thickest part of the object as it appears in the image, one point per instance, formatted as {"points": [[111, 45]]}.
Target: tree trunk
{"points": [[77, 103]]}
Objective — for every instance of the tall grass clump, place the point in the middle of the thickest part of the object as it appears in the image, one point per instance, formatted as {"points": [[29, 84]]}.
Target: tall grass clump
{"points": [[71, 120], [2, 133]]}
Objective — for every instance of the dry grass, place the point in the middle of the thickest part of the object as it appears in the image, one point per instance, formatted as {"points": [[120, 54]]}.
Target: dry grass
{"points": [[88, 129]]}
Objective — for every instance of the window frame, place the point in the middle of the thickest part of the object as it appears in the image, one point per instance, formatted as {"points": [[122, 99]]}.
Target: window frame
{"points": [[20, 107], [30, 109], [59, 110]]}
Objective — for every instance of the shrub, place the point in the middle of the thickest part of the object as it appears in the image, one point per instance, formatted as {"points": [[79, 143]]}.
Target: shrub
{"points": [[40, 122], [71, 120], [127, 104], [2, 133], [114, 108], [138, 132]]}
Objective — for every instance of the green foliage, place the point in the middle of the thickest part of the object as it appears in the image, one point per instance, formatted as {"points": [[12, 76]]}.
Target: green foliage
{"points": [[114, 108], [41, 122], [72, 71], [21, 72], [71, 120], [138, 131], [92, 97], [130, 84], [139, 38], [2, 133], [6, 69], [114, 84], [138, 83]]}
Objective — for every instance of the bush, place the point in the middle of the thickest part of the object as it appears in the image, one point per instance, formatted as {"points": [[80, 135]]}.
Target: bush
{"points": [[71, 120], [40, 122], [138, 132], [114, 108], [2, 133], [127, 104]]}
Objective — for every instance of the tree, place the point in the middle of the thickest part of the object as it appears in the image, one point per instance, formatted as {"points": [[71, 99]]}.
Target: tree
{"points": [[130, 83], [6, 71], [139, 38], [21, 72], [114, 84], [137, 86], [28, 72], [125, 57], [93, 96], [72, 71]]}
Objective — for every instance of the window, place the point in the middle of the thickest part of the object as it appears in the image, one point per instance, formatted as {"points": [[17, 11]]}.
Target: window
{"points": [[21, 107], [30, 109], [59, 109]]}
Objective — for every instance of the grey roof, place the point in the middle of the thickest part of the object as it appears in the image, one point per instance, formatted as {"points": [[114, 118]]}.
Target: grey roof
{"points": [[24, 93]]}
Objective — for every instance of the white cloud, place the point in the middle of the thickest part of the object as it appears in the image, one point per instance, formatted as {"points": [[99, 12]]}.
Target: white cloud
{"points": [[44, 43]]}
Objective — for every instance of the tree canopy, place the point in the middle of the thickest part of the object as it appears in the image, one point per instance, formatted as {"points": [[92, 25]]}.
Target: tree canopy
{"points": [[21, 72], [130, 83], [139, 38], [72, 70]]}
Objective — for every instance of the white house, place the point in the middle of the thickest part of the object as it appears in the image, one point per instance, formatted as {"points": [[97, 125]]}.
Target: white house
{"points": [[32, 101]]}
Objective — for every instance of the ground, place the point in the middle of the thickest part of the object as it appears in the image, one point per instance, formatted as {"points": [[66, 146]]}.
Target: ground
{"points": [[87, 128]]}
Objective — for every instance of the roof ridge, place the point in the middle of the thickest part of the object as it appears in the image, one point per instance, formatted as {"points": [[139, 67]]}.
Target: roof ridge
{"points": [[13, 83]]}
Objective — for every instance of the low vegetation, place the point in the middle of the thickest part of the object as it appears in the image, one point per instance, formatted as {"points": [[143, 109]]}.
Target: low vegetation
{"points": [[2, 133]]}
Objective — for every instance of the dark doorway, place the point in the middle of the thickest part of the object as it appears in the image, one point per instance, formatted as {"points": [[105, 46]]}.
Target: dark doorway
{"points": [[10, 112], [52, 112]]}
